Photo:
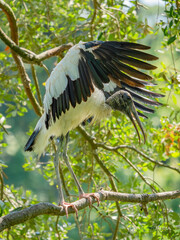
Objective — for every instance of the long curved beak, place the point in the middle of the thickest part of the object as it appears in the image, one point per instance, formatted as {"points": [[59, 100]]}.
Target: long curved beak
{"points": [[131, 112]]}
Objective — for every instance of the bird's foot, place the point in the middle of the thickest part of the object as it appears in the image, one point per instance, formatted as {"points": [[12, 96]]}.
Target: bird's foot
{"points": [[66, 205], [88, 196]]}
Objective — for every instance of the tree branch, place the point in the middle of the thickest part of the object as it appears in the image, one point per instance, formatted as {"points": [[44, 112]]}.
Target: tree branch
{"points": [[30, 56], [53, 52], [93, 19], [11, 19], [26, 214], [18, 52], [110, 148], [136, 170], [36, 85], [93, 142], [20, 65], [2, 185], [101, 164]]}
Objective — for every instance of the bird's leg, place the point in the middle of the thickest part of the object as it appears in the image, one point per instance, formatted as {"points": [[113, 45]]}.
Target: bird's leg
{"points": [[56, 166], [66, 159], [64, 204], [80, 190]]}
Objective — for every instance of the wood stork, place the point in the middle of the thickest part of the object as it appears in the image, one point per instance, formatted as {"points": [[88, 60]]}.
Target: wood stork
{"points": [[93, 79]]}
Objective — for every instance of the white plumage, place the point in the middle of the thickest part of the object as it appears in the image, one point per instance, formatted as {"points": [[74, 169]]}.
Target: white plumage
{"points": [[81, 83], [57, 82], [95, 106]]}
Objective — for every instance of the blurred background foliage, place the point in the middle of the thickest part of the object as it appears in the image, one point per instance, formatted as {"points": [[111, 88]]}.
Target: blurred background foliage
{"points": [[46, 24]]}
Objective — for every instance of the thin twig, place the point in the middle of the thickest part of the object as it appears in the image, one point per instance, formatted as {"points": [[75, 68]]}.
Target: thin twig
{"points": [[110, 148], [78, 227], [117, 228], [110, 176], [101, 164], [2, 185], [56, 227], [11, 19], [104, 217], [136, 170], [4, 129], [93, 19], [45, 68], [36, 84]]}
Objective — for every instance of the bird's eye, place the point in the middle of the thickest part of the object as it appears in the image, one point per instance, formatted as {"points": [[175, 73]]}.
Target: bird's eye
{"points": [[126, 96]]}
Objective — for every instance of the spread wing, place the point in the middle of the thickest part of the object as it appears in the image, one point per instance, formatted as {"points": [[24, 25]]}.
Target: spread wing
{"points": [[108, 66]]}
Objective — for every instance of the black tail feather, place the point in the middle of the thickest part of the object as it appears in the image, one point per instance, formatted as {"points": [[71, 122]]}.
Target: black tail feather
{"points": [[30, 142]]}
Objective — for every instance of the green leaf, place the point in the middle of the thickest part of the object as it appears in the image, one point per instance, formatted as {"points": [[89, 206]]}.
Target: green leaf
{"points": [[171, 39], [174, 99], [175, 154], [2, 206]]}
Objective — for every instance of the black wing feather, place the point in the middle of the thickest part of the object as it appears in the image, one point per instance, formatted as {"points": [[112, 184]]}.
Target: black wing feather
{"points": [[125, 45], [143, 108], [82, 76], [87, 75], [71, 92], [94, 75], [144, 99], [54, 108], [59, 106], [101, 62], [131, 71], [142, 91], [137, 63], [66, 98], [63, 102], [78, 90]]}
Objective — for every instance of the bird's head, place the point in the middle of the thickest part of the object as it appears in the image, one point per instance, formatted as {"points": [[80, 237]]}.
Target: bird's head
{"points": [[122, 101]]}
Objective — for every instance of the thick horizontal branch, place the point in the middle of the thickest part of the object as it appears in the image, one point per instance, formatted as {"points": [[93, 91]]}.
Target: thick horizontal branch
{"points": [[53, 52], [26, 214]]}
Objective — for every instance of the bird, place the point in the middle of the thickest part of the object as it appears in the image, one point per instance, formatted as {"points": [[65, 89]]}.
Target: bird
{"points": [[93, 79]]}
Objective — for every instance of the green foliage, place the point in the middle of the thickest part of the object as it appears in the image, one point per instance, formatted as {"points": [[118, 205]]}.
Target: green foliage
{"points": [[171, 27], [47, 24]]}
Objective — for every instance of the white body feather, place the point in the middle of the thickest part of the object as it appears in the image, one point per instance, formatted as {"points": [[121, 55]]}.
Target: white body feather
{"points": [[56, 84], [95, 106]]}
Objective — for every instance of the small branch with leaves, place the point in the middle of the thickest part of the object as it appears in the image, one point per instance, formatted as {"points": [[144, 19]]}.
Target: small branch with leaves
{"points": [[19, 54]]}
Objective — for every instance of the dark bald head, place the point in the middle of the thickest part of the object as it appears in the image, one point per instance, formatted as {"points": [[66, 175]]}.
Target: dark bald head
{"points": [[123, 102]]}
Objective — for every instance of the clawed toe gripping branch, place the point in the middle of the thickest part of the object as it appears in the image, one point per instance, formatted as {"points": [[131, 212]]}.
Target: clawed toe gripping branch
{"points": [[31, 212]]}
